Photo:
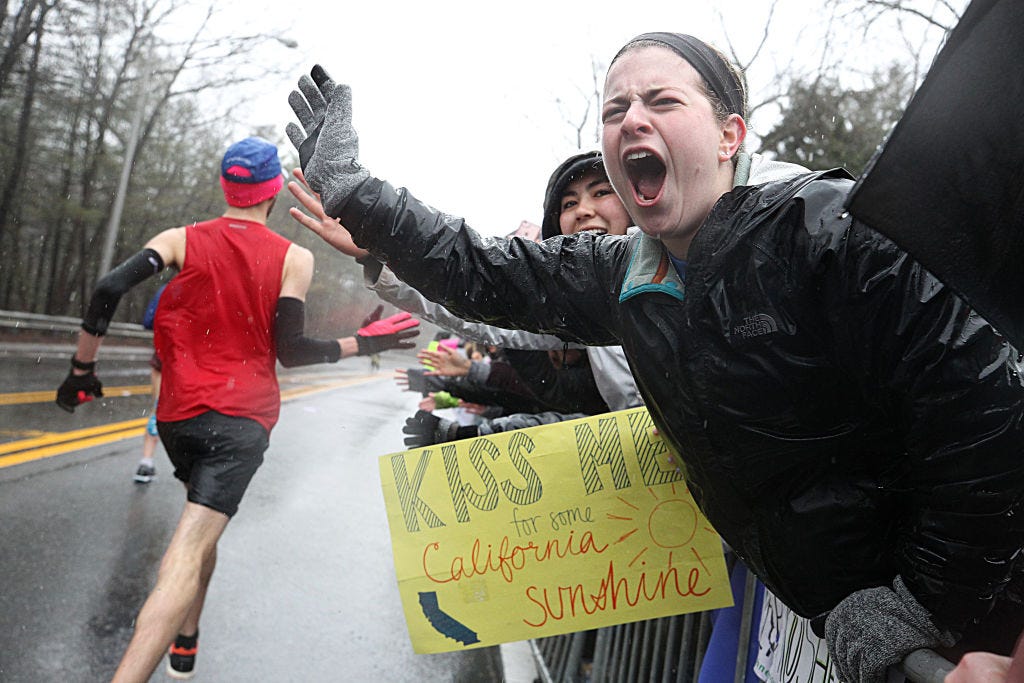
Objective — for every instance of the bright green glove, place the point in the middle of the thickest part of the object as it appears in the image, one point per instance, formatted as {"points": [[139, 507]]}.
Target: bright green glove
{"points": [[443, 399]]}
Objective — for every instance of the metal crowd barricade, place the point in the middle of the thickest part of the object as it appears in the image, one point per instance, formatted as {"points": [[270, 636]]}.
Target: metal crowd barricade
{"points": [[670, 650], [664, 650]]}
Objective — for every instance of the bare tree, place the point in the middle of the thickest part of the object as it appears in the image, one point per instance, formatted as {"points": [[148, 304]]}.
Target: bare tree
{"points": [[584, 115], [18, 29], [66, 109], [16, 171], [921, 26], [937, 14]]}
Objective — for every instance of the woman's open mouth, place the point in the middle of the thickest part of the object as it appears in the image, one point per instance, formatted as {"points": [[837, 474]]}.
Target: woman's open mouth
{"points": [[646, 173]]}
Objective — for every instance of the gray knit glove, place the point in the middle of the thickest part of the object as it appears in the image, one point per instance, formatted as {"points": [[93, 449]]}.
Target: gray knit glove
{"points": [[328, 145], [875, 628]]}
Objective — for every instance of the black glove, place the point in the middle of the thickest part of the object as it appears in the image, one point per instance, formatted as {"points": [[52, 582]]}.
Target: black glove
{"points": [[426, 428], [390, 333], [78, 389], [417, 382], [875, 628]]}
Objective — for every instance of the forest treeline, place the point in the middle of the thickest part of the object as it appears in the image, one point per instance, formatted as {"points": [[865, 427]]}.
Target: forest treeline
{"points": [[90, 89]]}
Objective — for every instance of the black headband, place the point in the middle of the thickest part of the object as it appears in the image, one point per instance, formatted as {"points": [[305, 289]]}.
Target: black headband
{"points": [[707, 61]]}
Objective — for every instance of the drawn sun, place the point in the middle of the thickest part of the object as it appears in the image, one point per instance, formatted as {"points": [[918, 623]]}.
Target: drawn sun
{"points": [[671, 522]]}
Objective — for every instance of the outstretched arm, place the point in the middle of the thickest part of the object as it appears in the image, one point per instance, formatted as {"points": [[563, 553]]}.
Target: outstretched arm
{"points": [[569, 287], [392, 290], [294, 348], [82, 384]]}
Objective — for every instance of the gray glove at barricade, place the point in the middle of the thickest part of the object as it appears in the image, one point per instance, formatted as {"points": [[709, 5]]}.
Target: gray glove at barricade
{"points": [[875, 628], [328, 145]]}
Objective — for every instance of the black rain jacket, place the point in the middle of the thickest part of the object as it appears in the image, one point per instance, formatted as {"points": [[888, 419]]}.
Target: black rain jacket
{"points": [[841, 415]]}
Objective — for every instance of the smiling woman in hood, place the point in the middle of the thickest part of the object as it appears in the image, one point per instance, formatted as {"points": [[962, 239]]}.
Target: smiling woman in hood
{"points": [[580, 198]]}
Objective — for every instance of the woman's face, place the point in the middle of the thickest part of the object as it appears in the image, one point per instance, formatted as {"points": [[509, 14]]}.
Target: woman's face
{"points": [[590, 203], [666, 154]]}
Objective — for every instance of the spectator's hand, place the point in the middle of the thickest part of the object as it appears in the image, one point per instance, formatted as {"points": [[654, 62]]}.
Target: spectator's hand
{"points": [[985, 667], [442, 399], [78, 389], [981, 667], [444, 361], [875, 628], [473, 408], [328, 145], [438, 400], [377, 335], [424, 429], [411, 379], [329, 229]]}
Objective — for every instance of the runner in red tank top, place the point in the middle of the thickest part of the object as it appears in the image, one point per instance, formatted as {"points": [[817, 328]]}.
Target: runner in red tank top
{"points": [[233, 310], [219, 350]]}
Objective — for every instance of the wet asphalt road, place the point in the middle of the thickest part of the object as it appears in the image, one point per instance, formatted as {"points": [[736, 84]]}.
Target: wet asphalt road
{"points": [[305, 586]]}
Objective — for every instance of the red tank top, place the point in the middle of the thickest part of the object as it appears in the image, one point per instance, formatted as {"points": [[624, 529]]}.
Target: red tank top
{"points": [[214, 328]]}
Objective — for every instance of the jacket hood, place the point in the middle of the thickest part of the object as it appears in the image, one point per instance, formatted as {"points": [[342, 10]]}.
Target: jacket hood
{"points": [[571, 169]]}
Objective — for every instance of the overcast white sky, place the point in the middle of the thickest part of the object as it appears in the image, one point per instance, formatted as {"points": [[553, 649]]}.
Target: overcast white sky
{"points": [[458, 101]]}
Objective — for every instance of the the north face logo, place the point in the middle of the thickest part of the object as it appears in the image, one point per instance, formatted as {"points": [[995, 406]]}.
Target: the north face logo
{"points": [[756, 326]]}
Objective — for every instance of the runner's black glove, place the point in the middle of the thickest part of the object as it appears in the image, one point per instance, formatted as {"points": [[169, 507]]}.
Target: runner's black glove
{"points": [[328, 145], [377, 335], [78, 389]]}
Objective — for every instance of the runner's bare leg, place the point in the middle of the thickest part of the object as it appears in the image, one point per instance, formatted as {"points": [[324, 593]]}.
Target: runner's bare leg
{"points": [[179, 591]]}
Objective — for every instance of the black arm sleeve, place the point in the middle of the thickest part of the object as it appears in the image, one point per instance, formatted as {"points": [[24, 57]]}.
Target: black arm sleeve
{"points": [[113, 286], [293, 347]]}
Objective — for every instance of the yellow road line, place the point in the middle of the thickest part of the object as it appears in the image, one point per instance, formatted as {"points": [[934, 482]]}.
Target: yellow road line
{"points": [[22, 397], [61, 437], [53, 444], [40, 453], [289, 394]]}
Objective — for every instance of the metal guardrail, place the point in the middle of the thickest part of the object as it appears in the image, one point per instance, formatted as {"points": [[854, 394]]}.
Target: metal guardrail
{"points": [[14, 321], [671, 650]]}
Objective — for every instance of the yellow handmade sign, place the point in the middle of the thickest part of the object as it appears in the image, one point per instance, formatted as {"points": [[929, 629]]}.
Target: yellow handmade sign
{"points": [[549, 530]]}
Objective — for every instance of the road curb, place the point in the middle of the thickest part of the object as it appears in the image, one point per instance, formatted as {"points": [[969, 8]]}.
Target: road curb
{"points": [[517, 663]]}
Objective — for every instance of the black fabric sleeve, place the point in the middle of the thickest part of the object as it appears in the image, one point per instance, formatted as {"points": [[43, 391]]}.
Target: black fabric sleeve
{"points": [[293, 347], [568, 389], [112, 286], [467, 432]]}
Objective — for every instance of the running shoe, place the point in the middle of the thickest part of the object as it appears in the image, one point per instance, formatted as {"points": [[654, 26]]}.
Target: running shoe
{"points": [[181, 660], [145, 474]]}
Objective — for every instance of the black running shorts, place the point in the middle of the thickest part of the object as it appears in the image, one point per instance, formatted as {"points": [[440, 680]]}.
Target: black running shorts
{"points": [[216, 456]]}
